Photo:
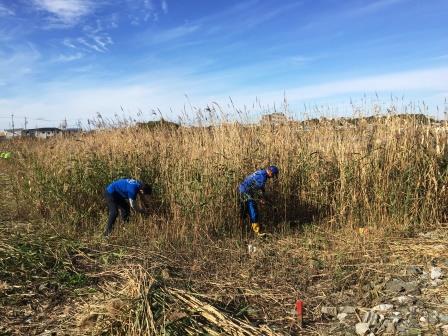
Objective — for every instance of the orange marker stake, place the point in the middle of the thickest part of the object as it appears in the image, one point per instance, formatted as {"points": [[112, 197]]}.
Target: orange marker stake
{"points": [[299, 311]]}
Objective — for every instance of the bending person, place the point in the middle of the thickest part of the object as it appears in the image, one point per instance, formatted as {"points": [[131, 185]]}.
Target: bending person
{"points": [[122, 195], [252, 188]]}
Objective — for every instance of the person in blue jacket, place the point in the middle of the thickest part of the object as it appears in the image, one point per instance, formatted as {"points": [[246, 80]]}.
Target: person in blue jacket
{"points": [[122, 195], [250, 189]]}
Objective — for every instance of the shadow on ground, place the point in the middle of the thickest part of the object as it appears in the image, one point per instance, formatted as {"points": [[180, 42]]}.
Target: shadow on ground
{"points": [[291, 213]]}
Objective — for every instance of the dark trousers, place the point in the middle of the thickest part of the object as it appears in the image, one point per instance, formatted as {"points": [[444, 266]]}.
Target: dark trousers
{"points": [[113, 204]]}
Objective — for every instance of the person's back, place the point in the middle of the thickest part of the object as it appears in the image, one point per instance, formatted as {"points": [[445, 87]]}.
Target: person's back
{"points": [[253, 182], [121, 195], [124, 188]]}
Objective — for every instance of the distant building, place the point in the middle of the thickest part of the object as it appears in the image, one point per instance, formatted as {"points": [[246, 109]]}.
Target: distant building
{"points": [[41, 133], [48, 132], [10, 133], [274, 119]]}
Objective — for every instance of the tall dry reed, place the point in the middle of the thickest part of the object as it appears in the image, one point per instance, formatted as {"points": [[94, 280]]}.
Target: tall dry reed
{"points": [[387, 172]]}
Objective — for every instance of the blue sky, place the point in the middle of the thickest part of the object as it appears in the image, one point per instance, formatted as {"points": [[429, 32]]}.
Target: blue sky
{"points": [[73, 58]]}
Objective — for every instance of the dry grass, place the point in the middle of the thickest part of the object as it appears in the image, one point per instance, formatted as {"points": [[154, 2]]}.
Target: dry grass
{"points": [[209, 289], [137, 304], [185, 268], [388, 172]]}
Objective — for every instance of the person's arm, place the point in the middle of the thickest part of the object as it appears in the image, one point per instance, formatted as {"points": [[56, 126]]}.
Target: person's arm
{"points": [[135, 206], [264, 197], [133, 193], [260, 186]]}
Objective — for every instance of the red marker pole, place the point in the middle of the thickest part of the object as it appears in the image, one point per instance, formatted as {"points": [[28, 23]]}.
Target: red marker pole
{"points": [[299, 311]]}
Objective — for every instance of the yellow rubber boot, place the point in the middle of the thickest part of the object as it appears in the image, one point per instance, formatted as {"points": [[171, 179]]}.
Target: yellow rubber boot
{"points": [[256, 228], [363, 231]]}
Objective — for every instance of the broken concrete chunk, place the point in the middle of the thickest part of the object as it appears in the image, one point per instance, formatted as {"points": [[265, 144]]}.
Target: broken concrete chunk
{"points": [[443, 318], [413, 309], [395, 285], [347, 309], [384, 307], [413, 270], [371, 318], [362, 328], [412, 287], [433, 317], [398, 286], [436, 282], [329, 311], [341, 317], [404, 299], [444, 330], [390, 327]]}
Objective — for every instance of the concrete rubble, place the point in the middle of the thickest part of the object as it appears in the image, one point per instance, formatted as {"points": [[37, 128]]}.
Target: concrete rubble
{"points": [[404, 309]]}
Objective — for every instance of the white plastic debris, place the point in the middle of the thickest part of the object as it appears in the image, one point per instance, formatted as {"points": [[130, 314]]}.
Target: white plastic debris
{"points": [[436, 273], [251, 248]]}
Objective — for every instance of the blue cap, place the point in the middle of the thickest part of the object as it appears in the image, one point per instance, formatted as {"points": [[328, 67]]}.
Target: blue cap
{"points": [[274, 170]]}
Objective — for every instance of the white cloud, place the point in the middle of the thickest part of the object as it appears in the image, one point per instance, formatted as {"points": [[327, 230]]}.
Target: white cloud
{"points": [[69, 58], [69, 43], [67, 12], [148, 4], [113, 21], [373, 6], [10, 34], [259, 18], [138, 5], [95, 37], [98, 43], [82, 41], [300, 60], [164, 6], [102, 41], [431, 79], [167, 90], [15, 64], [5, 11], [141, 11], [174, 33], [83, 103]]}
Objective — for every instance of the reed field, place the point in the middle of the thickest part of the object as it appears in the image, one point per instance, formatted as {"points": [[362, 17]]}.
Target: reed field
{"points": [[386, 173]]}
